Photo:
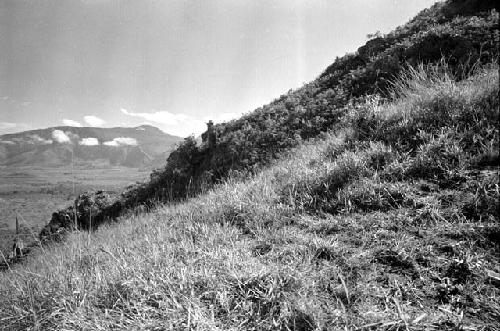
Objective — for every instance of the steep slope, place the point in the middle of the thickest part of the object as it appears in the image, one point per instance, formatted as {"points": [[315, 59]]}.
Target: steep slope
{"points": [[464, 41], [245, 144], [391, 223], [132, 147]]}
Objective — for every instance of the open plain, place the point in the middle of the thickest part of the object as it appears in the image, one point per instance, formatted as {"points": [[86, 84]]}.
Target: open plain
{"points": [[34, 193]]}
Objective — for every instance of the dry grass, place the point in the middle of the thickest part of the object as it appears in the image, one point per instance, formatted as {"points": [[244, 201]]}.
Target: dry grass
{"points": [[344, 233]]}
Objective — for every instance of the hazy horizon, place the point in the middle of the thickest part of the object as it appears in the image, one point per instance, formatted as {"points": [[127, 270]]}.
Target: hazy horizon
{"points": [[173, 65]]}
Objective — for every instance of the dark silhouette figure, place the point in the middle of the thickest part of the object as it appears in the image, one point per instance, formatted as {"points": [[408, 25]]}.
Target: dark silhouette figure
{"points": [[210, 137]]}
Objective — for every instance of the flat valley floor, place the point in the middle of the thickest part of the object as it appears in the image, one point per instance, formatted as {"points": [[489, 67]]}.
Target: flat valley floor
{"points": [[34, 193]]}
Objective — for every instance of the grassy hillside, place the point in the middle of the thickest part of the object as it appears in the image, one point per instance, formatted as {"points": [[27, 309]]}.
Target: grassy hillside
{"points": [[463, 32], [389, 222], [367, 199]]}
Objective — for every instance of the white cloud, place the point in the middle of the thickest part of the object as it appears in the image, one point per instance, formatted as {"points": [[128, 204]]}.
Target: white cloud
{"points": [[37, 140], [93, 120], [7, 125], [71, 123], [60, 137], [181, 124], [89, 142], [111, 143], [121, 141], [163, 117]]}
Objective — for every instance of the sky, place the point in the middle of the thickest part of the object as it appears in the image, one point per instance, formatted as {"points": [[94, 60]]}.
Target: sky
{"points": [[172, 64]]}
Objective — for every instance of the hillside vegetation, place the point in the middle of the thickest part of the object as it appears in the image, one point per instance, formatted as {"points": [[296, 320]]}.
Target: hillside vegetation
{"points": [[378, 210], [368, 227], [463, 32]]}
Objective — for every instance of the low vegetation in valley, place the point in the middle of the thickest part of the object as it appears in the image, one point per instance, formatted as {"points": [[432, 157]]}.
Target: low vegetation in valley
{"points": [[33, 194]]}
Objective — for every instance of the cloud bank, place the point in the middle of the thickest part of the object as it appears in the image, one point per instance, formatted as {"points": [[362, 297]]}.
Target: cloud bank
{"points": [[121, 141], [60, 137], [7, 125], [71, 123], [32, 139], [37, 140], [180, 124], [93, 120], [10, 127], [89, 142]]}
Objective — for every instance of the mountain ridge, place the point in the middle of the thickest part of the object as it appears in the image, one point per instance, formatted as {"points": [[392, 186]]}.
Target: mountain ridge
{"points": [[143, 145]]}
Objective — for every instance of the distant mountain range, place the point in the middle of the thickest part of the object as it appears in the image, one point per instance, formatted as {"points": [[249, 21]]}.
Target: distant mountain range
{"points": [[140, 146]]}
